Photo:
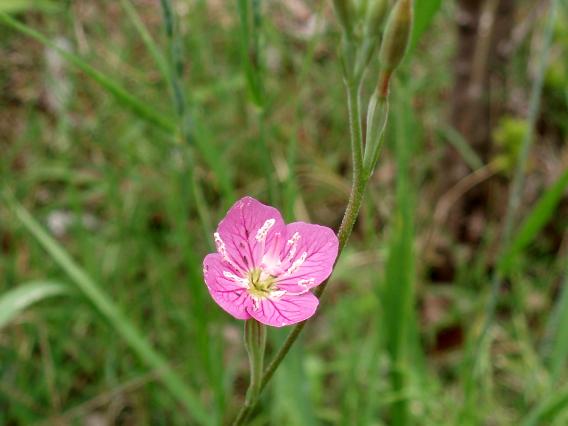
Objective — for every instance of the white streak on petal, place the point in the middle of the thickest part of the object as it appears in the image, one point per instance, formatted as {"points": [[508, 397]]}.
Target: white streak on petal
{"points": [[306, 283], [293, 241], [220, 245], [222, 250], [276, 294], [297, 263], [239, 280], [256, 302], [263, 230]]}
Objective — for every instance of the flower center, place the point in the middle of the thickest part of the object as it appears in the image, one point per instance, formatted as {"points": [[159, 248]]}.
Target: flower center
{"points": [[261, 285]]}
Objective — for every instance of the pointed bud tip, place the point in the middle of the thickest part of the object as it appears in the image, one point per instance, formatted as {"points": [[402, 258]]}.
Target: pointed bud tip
{"points": [[397, 35]]}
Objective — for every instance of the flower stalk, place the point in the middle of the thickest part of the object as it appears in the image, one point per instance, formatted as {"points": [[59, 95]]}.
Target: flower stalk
{"points": [[355, 57], [255, 344]]}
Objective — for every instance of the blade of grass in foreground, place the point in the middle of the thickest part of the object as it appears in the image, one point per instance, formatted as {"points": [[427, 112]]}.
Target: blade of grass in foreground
{"points": [[399, 292], [14, 301], [108, 309], [18, 6]]}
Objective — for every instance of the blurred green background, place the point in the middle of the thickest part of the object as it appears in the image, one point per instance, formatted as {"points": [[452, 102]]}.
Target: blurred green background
{"points": [[127, 128]]}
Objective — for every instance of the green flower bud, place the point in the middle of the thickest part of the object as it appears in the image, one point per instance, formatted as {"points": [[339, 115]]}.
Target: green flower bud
{"points": [[376, 13], [397, 35], [344, 12]]}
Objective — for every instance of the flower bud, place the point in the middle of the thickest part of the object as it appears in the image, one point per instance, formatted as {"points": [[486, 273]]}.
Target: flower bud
{"points": [[376, 13], [344, 13], [396, 36]]}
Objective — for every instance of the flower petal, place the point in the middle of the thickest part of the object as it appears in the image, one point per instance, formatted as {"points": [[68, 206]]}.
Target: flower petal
{"points": [[249, 231], [310, 254], [286, 310], [225, 288]]}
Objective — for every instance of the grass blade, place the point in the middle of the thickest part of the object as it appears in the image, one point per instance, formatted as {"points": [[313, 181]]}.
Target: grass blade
{"points": [[424, 13], [557, 334], [111, 312], [399, 273], [549, 409], [459, 143], [120, 94], [145, 36], [14, 301], [18, 6], [539, 216]]}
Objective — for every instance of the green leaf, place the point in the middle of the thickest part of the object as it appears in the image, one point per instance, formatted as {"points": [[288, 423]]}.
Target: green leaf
{"points": [[14, 301], [17, 6], [424, 13], [111, 312]]}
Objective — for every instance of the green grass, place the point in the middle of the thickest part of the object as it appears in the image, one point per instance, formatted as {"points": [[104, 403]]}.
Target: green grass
{"points": [[172, 111]]}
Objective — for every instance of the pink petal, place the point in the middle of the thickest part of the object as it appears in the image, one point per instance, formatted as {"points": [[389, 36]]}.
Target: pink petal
{"points": [[287, 310], [226, 291], [310, 254], [249, 231]]}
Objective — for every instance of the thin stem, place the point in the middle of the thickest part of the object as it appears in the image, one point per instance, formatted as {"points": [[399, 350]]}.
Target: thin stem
{"points": [[345, 229]]}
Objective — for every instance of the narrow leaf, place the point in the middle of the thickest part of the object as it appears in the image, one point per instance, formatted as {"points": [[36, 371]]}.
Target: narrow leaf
{"points": [[556, 347], [16, 300], [146, 37], [17, 6], [424, 13], [548, 410]]}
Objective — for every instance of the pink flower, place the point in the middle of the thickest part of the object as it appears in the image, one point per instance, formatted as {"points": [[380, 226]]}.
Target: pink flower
{"points": [[265, 269]]}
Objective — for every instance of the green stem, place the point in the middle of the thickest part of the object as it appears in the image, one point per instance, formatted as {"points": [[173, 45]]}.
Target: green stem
{"points": [[255, 344], [345, 229]]}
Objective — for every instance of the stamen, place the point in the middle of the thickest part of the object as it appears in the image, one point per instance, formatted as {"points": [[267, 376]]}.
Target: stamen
{"points": [[261, 286]]}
